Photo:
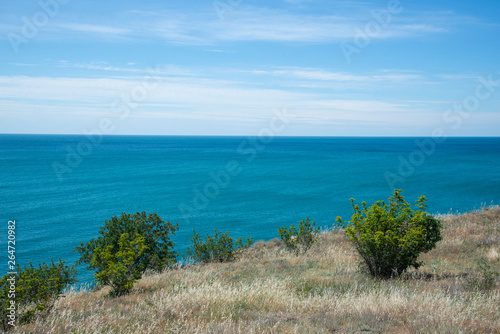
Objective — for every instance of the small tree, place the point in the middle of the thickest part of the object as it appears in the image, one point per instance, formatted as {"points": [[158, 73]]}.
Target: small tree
{"points": [[390, 237], [217, 248], [122, 267], [299, 241], [34, 290], [128, 245], [156, 233]]}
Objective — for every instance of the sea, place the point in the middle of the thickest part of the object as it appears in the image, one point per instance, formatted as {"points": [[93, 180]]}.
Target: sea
{"points": [[60, 189]]}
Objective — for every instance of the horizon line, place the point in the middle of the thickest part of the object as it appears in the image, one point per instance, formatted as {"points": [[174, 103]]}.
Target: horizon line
{"points": [[237, 136]]}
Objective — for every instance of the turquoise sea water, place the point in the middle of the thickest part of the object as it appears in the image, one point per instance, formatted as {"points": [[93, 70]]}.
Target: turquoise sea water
{"points": [[60, 189]]}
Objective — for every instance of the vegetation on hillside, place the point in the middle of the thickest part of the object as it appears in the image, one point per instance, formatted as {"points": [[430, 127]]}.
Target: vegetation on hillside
{"points": [[32, 291], [265, 288], [126, 247], [217, 248], [299, 241], [158, 254], [390, 237]]}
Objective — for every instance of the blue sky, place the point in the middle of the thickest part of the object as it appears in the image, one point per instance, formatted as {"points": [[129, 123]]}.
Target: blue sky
{"points": [[341, 68]]}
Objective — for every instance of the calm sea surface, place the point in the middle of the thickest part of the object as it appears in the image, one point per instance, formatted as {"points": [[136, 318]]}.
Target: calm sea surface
{"points": [[60, 189]]}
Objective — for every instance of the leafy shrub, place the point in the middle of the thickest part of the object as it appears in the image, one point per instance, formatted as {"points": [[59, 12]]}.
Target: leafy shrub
{"points": [[120, 268], [299, 241], [217, 248], [155, 231], [390, 237], [118, 238], [483, 278], [36, 290]]}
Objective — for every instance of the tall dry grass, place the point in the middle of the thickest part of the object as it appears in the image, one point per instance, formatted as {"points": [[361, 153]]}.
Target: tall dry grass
{"points": [[268, 290]]}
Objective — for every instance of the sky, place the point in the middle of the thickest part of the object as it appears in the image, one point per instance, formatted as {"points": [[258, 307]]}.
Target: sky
{"points": [[248, 67]]}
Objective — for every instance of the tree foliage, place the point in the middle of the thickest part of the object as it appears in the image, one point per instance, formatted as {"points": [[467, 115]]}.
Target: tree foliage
{"points": [[390, 237], [158, 252], [36, 290], [217, 248], [120, 268], [126, 246], [299, 240]]}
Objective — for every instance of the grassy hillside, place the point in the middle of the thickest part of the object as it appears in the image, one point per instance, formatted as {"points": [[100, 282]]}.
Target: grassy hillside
{"points": [[268, 290]]}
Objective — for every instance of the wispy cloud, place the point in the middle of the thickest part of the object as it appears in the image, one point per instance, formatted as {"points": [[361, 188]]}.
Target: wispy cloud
{"points": [[324, 75], [213, 98], [186, 99], [94, 29], [251, 24], [102, 66], [260, 24]]}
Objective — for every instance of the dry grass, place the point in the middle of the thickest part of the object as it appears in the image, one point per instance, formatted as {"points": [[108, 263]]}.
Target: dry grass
{"points": [[267, 290]]}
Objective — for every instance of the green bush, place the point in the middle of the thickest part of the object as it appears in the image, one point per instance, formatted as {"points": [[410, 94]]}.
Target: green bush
{"points": [[119, 235], [217, 248], [120, 268], [36, 290], [155, 231], [390, 237], [299, 241]]}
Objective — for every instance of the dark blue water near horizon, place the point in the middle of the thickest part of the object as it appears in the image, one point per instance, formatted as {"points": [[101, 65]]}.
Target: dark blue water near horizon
{"points": [[60, 197]]}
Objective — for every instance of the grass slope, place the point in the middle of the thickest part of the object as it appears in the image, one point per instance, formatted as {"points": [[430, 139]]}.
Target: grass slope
{"points": [[268, 290]]}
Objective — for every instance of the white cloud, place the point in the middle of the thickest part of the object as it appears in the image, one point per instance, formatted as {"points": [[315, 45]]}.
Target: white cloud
{"points": [[206, 94], [171, 70], [260, 24], [197, 97], [94, 29], [324, 75], [248, 23]]}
